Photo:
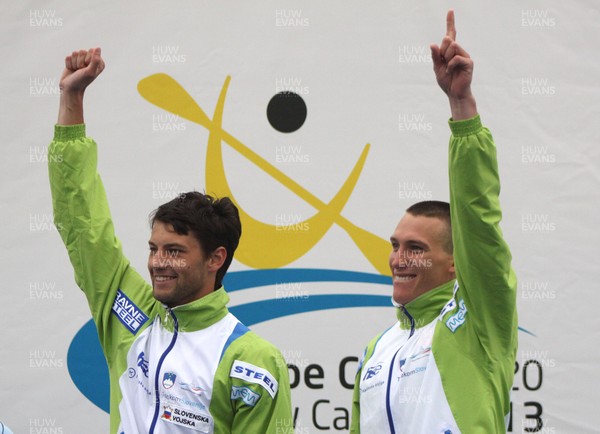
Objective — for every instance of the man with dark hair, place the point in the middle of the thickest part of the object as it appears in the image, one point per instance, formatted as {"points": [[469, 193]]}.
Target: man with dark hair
{"points": [[447, 365], [214, 222], [178, 361]]}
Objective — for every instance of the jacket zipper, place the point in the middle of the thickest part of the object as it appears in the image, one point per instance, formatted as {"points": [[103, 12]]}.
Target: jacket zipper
{"points": [[388, 407], [158, 368]]}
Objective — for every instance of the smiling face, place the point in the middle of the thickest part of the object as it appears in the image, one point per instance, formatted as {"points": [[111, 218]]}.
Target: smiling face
{"points": [[180, 271], [419, 260]]}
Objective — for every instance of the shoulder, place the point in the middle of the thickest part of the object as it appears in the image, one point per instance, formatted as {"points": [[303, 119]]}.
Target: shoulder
{"points": [[251, 361], [252, 348], [373, 343], [245, 348]]}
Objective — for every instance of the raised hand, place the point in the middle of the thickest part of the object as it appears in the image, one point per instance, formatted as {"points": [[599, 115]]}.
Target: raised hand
{"points": [[453, 69], [81, 68]]}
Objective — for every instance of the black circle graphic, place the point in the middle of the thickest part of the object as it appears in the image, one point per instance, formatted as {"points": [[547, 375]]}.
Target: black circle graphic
{"points": [[286, 112]]}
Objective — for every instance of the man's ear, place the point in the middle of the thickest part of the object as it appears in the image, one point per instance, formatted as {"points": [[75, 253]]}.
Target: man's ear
{"points": [[217, 258], [452, 269]]}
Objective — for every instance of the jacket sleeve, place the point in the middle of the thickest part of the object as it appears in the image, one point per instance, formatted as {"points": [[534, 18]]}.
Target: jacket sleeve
{"points": [[82, 214], [355, 418], [245, 405], [482, 257]]}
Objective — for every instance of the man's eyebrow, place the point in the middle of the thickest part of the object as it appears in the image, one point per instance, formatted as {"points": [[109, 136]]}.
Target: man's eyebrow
{"points": [[174, 245], [169, 245], [409, 241]]}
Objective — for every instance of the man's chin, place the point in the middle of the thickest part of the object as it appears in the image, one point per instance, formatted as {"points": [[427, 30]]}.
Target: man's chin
{"points": [[404, 293], [402, 298], [162, 296]]}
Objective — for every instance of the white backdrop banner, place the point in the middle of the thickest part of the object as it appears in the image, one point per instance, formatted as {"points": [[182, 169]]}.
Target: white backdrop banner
{"points": [[367, 127]]}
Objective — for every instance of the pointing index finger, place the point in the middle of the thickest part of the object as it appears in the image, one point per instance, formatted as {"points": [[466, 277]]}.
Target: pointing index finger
{"points": [[450, 28]]}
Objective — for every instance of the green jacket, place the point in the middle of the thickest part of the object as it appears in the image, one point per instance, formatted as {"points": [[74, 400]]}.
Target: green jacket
{"points": [[447, 365], [193, 368]]}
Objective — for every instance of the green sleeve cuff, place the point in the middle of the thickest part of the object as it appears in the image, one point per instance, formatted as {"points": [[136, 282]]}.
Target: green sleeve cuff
{"points": [[63, 133], [465, 127]]}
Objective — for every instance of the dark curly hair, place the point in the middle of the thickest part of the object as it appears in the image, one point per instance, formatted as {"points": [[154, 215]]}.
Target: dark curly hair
{"points": [[215, 222]]}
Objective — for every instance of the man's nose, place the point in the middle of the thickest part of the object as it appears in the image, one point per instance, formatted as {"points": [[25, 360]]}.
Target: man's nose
{"points": [[399, 258], [157, 260]]}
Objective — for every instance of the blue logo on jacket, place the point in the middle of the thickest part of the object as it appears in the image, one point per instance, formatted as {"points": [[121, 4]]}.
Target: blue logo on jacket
{"points": [[142, 363], [168, 380], [372, 371], [131, 316]]}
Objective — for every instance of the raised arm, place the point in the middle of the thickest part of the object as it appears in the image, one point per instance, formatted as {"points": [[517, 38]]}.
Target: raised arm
{"points": [[81, 209], [482, 257], [81, 69]]}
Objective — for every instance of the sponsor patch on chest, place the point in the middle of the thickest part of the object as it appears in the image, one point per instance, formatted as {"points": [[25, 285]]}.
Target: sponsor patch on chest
{"points": [[415, 363], [256, 375], [372, 371], [190, 419]]}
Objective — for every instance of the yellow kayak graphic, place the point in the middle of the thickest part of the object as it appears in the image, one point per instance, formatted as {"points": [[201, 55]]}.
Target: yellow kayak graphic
{"points": [[265, 245]]}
